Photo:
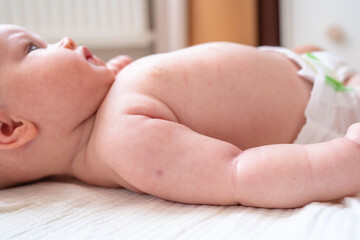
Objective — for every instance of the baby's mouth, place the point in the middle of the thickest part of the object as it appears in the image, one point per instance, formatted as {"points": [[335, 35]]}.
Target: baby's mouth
{"points": [[91, 58]]}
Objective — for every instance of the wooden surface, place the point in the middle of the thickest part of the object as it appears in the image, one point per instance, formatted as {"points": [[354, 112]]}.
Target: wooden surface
{"points": [[223, 20], [269, 30]]}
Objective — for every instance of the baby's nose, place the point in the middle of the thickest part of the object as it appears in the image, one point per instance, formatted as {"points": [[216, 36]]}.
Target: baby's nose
{"points": [[67, 42]]}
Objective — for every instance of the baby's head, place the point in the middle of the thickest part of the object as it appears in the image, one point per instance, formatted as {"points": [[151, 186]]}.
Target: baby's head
{"points": [[48, 93]]}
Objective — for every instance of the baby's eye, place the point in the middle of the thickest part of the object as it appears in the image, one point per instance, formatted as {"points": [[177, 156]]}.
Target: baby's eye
{"points": [[32, 47]]}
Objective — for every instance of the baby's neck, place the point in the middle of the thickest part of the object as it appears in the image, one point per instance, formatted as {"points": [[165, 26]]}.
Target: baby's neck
{"points": [[85, 165]]}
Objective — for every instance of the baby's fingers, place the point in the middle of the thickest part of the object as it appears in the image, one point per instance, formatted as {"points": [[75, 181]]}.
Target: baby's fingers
{"points": [[118, 63], [353, 133]]}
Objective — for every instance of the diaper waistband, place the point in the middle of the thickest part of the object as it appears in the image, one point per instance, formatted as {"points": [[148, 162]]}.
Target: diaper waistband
{"points": [[332, 106], [311, 63]]}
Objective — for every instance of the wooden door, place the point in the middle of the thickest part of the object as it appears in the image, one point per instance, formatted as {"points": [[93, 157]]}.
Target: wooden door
{"points": [[223, 20]]}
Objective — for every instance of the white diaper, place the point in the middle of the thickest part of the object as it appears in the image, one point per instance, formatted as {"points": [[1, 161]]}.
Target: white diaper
{"points": [[332, 107]]}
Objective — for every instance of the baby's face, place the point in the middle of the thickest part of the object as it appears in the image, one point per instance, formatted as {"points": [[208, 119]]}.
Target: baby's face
{"points": [[59, 83]]}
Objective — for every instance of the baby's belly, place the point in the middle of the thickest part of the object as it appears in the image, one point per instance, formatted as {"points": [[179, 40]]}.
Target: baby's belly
{"points": [[246, 118], [252, 99], [247, 107]]}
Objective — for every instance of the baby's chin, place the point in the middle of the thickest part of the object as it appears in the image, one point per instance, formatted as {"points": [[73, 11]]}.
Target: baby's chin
{"points": [[105, 75]]}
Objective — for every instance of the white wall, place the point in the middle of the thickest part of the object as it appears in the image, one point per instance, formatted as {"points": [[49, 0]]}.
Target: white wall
{"points": [[330, 24]]}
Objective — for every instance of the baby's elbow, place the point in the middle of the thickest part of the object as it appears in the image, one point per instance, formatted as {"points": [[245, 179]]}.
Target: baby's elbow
{"points": [[246, 180], [260, 181]]}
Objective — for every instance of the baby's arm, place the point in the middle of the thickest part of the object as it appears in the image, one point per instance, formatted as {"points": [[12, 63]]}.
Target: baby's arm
{"points": [[169, 160], [294, 175]]}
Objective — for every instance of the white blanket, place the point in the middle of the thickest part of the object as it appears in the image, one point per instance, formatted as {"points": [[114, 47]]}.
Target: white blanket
{"points": [[67, 209]]}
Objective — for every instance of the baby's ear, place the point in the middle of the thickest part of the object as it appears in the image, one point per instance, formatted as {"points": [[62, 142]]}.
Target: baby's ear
{"points": [[14, 132]]}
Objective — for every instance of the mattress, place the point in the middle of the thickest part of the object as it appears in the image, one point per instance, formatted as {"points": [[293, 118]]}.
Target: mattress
{"points": [[61, 208]]}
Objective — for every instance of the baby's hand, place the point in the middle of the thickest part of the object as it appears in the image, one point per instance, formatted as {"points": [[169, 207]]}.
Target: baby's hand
{"points": [[118, 63], [353, 133]]}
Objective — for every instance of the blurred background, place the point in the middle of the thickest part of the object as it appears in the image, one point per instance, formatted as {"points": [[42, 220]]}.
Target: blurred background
{"points": [[142, 27]]}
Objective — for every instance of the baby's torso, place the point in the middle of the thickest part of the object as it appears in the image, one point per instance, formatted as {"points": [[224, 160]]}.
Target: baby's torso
{"points": [[230, 92], [227, 91]]}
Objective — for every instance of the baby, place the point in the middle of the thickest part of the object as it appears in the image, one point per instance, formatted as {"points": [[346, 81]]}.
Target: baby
{"points": [[210, 124]]}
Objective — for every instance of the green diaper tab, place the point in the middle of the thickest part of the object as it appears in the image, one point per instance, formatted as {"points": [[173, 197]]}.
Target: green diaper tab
{"points": [[336, 85], [311, 56]]}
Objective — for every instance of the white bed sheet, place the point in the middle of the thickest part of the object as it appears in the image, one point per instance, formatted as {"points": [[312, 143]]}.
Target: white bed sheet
{"points": [[67, 209]]}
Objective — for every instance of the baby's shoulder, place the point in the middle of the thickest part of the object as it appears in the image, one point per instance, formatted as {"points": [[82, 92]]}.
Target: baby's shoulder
{"points": [[123, 130], [119, 116]]}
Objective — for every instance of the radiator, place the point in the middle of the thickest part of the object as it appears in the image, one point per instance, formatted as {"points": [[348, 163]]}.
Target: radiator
{"points": [[95, 23]]}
